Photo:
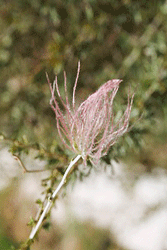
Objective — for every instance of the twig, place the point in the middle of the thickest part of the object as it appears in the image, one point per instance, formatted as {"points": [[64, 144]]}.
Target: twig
{"points": [[51, 199], [23, 166]]}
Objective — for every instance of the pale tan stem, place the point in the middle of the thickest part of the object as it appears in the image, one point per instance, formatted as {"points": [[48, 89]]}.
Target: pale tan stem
{"points": [[25, 169], [51, 199]]}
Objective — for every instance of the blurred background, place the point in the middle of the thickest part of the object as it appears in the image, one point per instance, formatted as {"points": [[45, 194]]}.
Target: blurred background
{"points": [[123, 204]]}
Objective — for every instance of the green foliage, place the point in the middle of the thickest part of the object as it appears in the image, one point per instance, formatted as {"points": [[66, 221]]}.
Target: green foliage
{"points": [[113, 39], [31, 223], [5, 243]]}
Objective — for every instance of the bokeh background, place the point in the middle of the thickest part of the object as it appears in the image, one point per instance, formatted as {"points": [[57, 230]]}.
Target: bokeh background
{"points": [[123, 39]]}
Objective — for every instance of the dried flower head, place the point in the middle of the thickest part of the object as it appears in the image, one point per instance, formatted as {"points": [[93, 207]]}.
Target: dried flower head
{"points": [[90, 129]]}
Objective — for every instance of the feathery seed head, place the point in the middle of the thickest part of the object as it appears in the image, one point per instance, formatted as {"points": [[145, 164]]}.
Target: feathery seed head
{"points": [[90, 129]]}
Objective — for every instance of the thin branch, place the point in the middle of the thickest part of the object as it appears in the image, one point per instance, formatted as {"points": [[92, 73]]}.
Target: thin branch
{"points": [[52, 198], [25, 169], [75, 85]]}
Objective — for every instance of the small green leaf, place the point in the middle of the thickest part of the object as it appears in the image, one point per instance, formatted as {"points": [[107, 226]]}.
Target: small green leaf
{"points": [[38, 201], [31, 222]]}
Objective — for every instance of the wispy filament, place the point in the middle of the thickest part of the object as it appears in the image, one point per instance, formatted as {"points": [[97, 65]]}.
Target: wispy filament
{"points": [[90, 129]]}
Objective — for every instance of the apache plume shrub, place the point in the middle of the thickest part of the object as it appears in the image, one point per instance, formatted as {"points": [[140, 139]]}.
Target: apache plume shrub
{"points": [[90, 129]]}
